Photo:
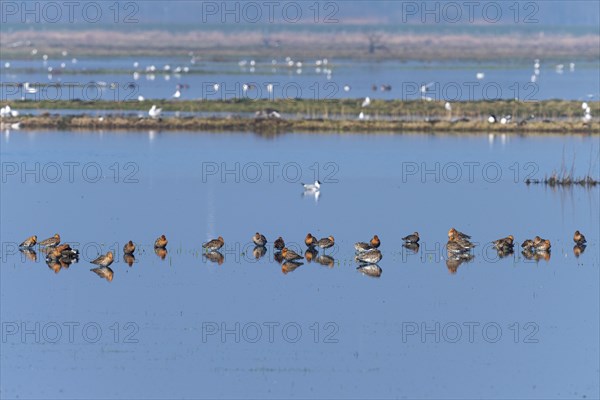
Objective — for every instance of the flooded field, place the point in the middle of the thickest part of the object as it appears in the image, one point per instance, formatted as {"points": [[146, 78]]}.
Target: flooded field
{"points": [[125, 78], [177, 323], [312, 200]]}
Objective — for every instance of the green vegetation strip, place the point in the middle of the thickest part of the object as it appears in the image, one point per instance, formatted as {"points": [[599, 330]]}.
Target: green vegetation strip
{"points": [[348, 108]]}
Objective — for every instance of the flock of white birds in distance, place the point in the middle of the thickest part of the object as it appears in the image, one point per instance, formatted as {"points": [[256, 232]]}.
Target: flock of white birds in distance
{"points": [[321, 66]]}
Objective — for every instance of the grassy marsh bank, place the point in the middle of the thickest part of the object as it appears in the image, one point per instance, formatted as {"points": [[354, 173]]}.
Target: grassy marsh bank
{"points": [[124, 122], [349, 108]]}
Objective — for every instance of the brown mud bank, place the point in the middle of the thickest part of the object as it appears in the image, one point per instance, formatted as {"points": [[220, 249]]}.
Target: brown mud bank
{"points": [[274, 125]]}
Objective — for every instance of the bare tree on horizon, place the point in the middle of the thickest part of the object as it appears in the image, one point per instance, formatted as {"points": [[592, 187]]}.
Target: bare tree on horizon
{"points": [[375, 42]]}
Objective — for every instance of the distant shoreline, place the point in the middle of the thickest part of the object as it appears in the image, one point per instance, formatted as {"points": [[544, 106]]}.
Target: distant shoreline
{"points": [[305, 44]]}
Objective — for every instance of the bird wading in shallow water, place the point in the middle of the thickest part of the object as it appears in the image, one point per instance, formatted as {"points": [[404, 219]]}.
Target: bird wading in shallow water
{"points": [[544, 245], [454, 232], [29, 242], [161, 242], [290, 255], [279, 243], [310, 240], [414, 238], [577, 238], [259, 240], [504, 243], [369, 257], [326, 243], [361, 247], [51, 242], [129, 248], [214, 244], [104, 260]]}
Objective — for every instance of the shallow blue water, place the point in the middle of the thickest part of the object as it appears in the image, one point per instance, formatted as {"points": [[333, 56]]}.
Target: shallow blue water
{"points": [[506, 327], [452, 81]]}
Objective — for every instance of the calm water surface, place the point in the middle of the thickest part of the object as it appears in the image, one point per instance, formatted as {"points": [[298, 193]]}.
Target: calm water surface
{"points": [[91, 79], [507, 327]]}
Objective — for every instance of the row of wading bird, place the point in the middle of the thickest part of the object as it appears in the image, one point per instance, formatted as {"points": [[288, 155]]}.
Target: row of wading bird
{"points": [[367, 254]]}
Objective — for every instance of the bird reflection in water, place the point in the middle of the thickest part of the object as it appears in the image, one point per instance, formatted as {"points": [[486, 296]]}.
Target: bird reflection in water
{"points": [[414, 247], [30, 254], [310, 254], [63, 251], [129, 259], [161, 252], [214, 256], [290, 255], [528, 254], [536, 255], [326, 260], [543, 255], [278, 257], [61, 257], [372, 270], [505, 252], [578, 249], [453, 261], [55, 266], [104, 272], [290, 266], [259, 252], [129, 248], [46, 250], [65, 262], [312, 194]]}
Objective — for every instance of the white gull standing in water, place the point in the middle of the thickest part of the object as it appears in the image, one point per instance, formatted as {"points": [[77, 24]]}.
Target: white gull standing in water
{"points": [[154, 112]]}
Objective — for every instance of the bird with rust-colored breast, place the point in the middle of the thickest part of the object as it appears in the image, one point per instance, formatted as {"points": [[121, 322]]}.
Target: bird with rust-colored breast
{"points": [[104, 260], [29, 242], [326, 243], [214, 244], [454, 232], [51, 242], [310, 240], [461, 241], [544, 245], [505, 243], [361, 247], [129, 248], [578, 238], [527, 244], [290, 255], [161, 242], [63, 250], [259, 239]]}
